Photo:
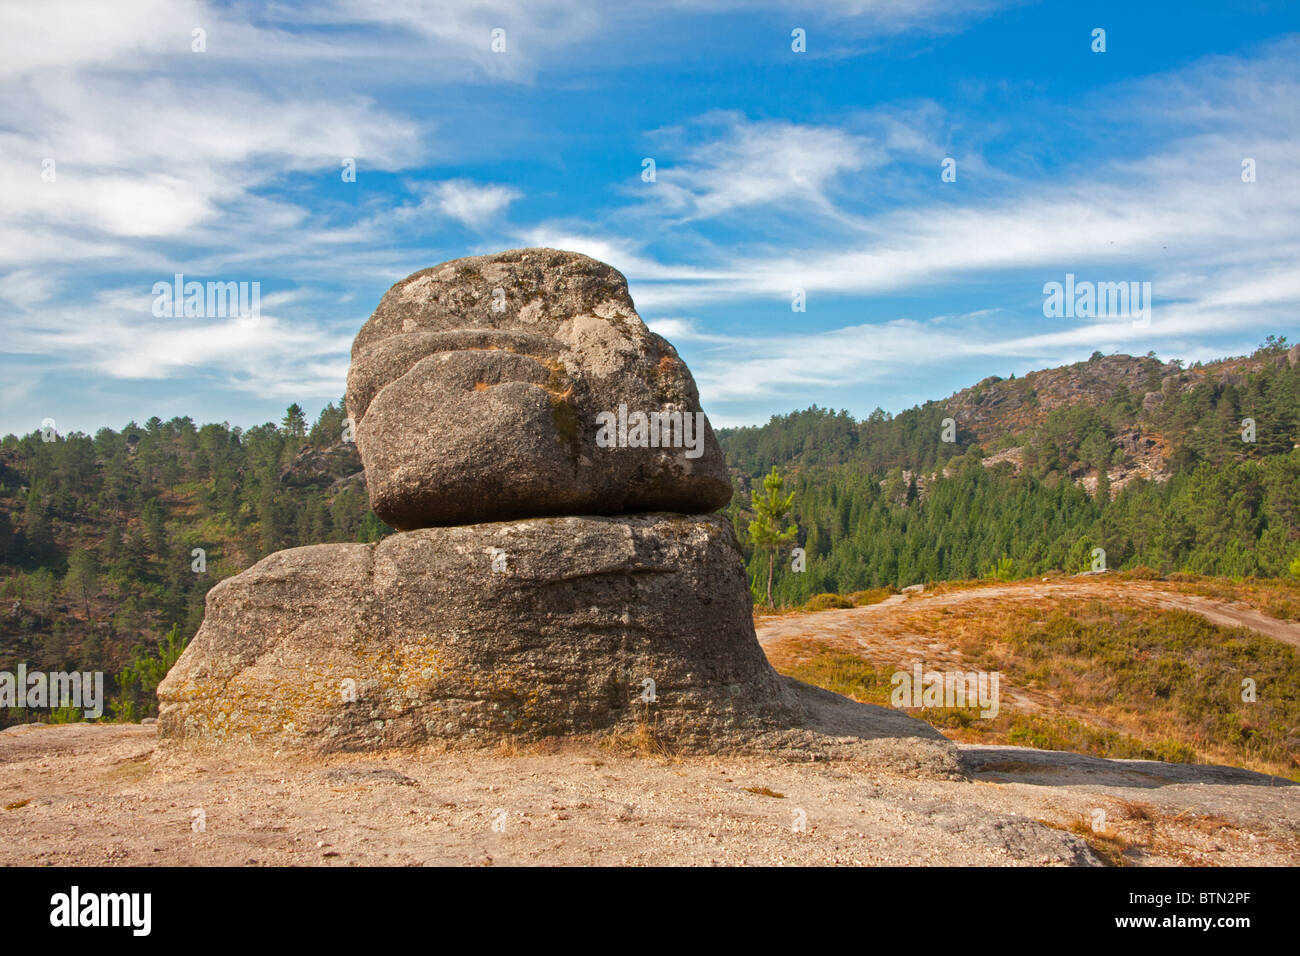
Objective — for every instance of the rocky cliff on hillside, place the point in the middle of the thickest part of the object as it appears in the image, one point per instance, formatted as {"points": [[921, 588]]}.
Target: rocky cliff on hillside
{"points": [[1002, 414], [995, 407]]}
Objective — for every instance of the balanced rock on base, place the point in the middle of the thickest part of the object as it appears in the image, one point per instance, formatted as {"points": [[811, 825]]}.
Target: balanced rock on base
{"points": [[527, 597], [476, 384]]}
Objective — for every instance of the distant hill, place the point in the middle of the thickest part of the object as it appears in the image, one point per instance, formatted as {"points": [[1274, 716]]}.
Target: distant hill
{"points": [[1146, 460], [1133, 417]]}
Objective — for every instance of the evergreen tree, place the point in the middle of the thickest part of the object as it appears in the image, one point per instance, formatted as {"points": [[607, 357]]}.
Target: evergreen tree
{"points": [[294, 421], [771, 511], [82, 578]]}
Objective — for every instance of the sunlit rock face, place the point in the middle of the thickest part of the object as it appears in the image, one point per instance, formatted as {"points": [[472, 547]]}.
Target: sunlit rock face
{"points": [[524, 384]]}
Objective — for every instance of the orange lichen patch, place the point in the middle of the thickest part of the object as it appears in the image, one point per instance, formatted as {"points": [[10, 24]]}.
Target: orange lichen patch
{"points": [[255, 705], [558, 384], [481, 386]]}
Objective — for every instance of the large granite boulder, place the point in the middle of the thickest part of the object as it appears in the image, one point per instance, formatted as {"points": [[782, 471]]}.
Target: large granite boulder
{"points": [[534, 628], [495, 402], [478, 390]]}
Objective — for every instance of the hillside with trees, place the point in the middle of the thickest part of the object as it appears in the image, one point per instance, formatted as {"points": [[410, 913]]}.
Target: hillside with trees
{"points": [[1151, 462]]}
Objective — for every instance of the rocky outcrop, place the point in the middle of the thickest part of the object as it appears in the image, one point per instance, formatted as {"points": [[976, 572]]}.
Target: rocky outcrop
{"points": [[321, 467], [628, 615], [531, 628], [476, 388]]}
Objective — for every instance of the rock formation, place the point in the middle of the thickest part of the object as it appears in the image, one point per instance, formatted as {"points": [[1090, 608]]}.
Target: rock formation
{"points": [[557, 571], [475, 385]]}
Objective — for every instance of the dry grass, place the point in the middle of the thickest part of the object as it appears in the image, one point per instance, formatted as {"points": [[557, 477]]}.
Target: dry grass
{"points": [[870, 596], [1087, 676], [1106, 842], [1136, 810], [508, 747], [1276, 597], [642, 742]]}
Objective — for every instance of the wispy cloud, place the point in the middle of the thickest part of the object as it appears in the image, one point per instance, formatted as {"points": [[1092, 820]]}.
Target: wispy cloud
{"points": [[745, 164], [125, 341], [472, 204]]}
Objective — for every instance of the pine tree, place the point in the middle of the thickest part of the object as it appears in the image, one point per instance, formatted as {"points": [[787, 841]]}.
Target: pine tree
{"points": [[770, 512], [82, 577], [295, 422], [1103, 485]]}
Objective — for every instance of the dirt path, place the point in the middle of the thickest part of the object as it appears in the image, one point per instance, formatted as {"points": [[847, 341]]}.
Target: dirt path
{"points": [[824, 624]]}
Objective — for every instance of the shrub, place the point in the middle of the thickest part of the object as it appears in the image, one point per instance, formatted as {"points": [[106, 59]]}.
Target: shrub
{"points": [[1141, 573], [66, 715], [1004, 570], [826, 602], [869, 596], [138, 681]]}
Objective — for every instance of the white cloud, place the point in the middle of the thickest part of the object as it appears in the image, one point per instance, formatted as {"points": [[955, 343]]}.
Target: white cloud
{"points": [[688, 330], [470, 203], [274, 356], [26, 288], [68, 34], [879, 17], [755, 163], [624, 254], [130, 168]]}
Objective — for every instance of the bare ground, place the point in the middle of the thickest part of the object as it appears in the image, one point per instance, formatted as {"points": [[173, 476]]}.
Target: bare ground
{"points": [[79, 794]]}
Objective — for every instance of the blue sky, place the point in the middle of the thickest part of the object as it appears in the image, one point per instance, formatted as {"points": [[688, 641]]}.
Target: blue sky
{"points": [[775, 170]]}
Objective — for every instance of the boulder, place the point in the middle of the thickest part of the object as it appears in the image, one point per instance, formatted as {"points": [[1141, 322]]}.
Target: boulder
{"points": [[477, 390], [526, 629], [551, 577], [320, 467]]}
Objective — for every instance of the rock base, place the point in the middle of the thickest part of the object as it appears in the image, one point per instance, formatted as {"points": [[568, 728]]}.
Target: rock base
{"points": [[527, 629], [548, 627]]}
